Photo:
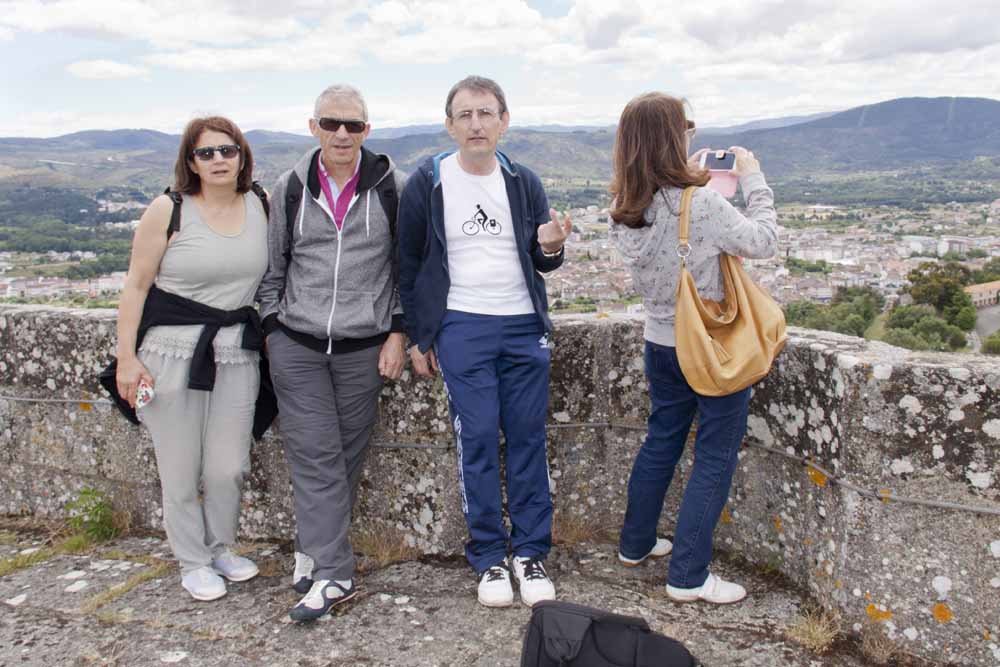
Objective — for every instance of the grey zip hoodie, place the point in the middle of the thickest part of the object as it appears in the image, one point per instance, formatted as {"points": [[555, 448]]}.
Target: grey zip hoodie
{"points": [[650, 252], [332, 289]]}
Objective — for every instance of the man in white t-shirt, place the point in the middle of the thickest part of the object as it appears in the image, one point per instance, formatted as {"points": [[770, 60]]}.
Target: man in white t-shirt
{"points": [[475, 234]]}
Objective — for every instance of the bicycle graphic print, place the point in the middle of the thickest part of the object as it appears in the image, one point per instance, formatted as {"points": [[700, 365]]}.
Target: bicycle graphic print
{"points": [[479, 221]]}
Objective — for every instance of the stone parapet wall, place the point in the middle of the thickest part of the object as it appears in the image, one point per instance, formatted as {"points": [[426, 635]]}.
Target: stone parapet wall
{"points": [[921, 425]]}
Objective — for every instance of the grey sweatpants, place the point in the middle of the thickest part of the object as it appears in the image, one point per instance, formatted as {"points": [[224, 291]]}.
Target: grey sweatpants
{"points": [[327, 406], [202, 440]]}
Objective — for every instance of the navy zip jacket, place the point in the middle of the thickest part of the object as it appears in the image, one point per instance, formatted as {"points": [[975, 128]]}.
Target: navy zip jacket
{"points": [[423, 253]]}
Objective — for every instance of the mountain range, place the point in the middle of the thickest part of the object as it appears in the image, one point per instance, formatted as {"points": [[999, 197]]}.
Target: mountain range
{"points": [[893, 136]]}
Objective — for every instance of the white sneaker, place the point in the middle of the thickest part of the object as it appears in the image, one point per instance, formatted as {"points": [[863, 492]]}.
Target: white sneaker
{"points": [[204, 584], [662, 547], [532, 581], [714, 590], [494, 586], [302, 579], [233, 567]]}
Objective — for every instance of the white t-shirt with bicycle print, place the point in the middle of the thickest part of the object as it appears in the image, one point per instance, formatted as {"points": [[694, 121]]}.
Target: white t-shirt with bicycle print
{"points": [[483, 264]]}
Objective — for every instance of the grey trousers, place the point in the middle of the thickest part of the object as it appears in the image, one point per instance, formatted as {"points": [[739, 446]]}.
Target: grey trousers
{"points": [[202, 440], [327, 407]]}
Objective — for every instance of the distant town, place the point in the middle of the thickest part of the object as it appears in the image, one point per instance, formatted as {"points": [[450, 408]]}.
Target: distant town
{"points": [[822, 248]]}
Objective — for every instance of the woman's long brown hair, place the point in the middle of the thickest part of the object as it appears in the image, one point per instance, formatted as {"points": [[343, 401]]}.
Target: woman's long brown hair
{"points": [[188, 182], [650, 153]]}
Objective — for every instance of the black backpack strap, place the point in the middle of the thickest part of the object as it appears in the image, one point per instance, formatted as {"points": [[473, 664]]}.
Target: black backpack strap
{"points": [[259, 191], [175, 214], [389, 199], [293, 195]]}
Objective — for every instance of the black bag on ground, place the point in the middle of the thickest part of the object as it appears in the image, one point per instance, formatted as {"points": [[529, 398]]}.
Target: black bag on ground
{"points": [[563, 634]]}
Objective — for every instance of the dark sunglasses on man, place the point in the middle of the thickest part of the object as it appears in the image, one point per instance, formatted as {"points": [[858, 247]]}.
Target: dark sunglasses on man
{"points": [[333, 124], [206, 153]]}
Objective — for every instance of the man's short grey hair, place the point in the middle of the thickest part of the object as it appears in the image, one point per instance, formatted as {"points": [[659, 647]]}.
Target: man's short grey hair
{"points": [[341, 91], [480, 83]]}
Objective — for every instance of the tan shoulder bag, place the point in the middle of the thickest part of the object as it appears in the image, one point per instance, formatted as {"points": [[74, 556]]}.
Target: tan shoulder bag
{"points": [[724, 347]]}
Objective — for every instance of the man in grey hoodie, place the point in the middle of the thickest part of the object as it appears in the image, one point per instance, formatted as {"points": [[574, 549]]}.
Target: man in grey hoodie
{"points": [[330, 306]]}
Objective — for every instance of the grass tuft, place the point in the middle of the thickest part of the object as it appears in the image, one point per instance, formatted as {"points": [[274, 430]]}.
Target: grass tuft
{"points": [[101, 599], [876, 645], [112, 617], [814, 628], [571, 529], [383, 547], [22, 561], [75, 544]]}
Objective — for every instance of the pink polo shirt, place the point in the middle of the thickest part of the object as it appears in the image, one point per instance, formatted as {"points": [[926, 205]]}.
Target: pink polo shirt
{"points": [[339, 204]]}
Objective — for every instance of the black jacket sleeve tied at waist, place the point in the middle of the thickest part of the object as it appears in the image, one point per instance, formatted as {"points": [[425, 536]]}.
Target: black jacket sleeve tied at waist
{"points": [[166, 309]]}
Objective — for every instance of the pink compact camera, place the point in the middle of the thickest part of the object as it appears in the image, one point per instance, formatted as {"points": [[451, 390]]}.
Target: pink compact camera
{"points": [[720, 170]]}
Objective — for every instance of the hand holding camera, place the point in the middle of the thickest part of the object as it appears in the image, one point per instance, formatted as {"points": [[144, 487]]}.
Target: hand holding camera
{"points": [[726, 167], [746, 163]]}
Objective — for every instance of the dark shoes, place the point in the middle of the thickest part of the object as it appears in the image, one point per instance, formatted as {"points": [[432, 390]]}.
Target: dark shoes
{"points": [[321, 598]]}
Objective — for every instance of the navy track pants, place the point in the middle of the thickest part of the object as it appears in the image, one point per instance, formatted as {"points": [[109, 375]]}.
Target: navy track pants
{"points": [[496, 372]]}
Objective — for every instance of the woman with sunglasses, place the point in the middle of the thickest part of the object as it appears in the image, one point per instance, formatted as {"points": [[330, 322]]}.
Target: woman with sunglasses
{"points": [[651, 171], [207, 271]]}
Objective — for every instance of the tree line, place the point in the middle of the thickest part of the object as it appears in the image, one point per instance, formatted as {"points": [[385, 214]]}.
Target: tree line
{"points": [[938, 319]]}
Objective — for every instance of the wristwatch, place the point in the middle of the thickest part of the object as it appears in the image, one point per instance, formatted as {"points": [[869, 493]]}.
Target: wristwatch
{"points": [[553, 254]]}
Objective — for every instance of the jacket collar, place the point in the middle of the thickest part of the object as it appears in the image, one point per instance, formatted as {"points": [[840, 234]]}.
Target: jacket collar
{"points": [[373, 169], [505, 163]]}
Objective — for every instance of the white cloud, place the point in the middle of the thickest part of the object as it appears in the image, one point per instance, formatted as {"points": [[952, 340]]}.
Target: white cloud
{"points": [[735, 60], [161, 24], [105, 69]]}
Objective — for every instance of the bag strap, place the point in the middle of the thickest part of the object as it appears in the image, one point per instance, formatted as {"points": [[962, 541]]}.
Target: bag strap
{"points": [[258, 190], [175, 214], [176, 198], [684, 223], [389, 200], [293, 195]]}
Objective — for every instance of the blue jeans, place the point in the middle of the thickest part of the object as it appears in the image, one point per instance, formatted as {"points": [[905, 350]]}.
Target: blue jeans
{"points": [[722, 423], [496, 373]]}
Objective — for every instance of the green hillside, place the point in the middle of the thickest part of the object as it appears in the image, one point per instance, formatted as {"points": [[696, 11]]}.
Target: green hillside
{"points": [[904, 150]]}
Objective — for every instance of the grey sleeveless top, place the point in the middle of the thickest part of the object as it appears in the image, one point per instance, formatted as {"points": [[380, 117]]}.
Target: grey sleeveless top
{"points": [[216, 270]]}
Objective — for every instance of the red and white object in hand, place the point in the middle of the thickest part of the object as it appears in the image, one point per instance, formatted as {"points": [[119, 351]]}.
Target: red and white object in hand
{"points": [[144, 394]]}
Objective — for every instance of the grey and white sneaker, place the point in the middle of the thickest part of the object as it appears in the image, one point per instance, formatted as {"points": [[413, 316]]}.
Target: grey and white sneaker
{"points": [[532, 580], [324, 595], [494, 586], [233, 567], [302, 577], [204, 584], [662, 547]]}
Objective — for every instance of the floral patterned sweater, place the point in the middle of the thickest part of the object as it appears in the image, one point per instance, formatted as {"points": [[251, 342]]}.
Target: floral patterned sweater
{"points": [[717, 227]]}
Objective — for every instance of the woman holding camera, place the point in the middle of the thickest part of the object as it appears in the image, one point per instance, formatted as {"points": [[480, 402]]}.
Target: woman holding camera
{"points": [[187, 306], [651, 171]]}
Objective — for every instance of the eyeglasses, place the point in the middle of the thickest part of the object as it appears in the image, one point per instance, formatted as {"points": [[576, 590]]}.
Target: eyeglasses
{"points": [[206, 153], [333, 124], [486, 115], [690, 131]]}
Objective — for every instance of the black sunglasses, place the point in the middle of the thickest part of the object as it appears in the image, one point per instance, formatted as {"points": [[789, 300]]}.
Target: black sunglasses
{"points": [[206, 153], [333, 124]]}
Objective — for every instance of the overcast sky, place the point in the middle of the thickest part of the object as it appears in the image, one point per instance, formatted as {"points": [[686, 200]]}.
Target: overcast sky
{"points": [[70, 65]]}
